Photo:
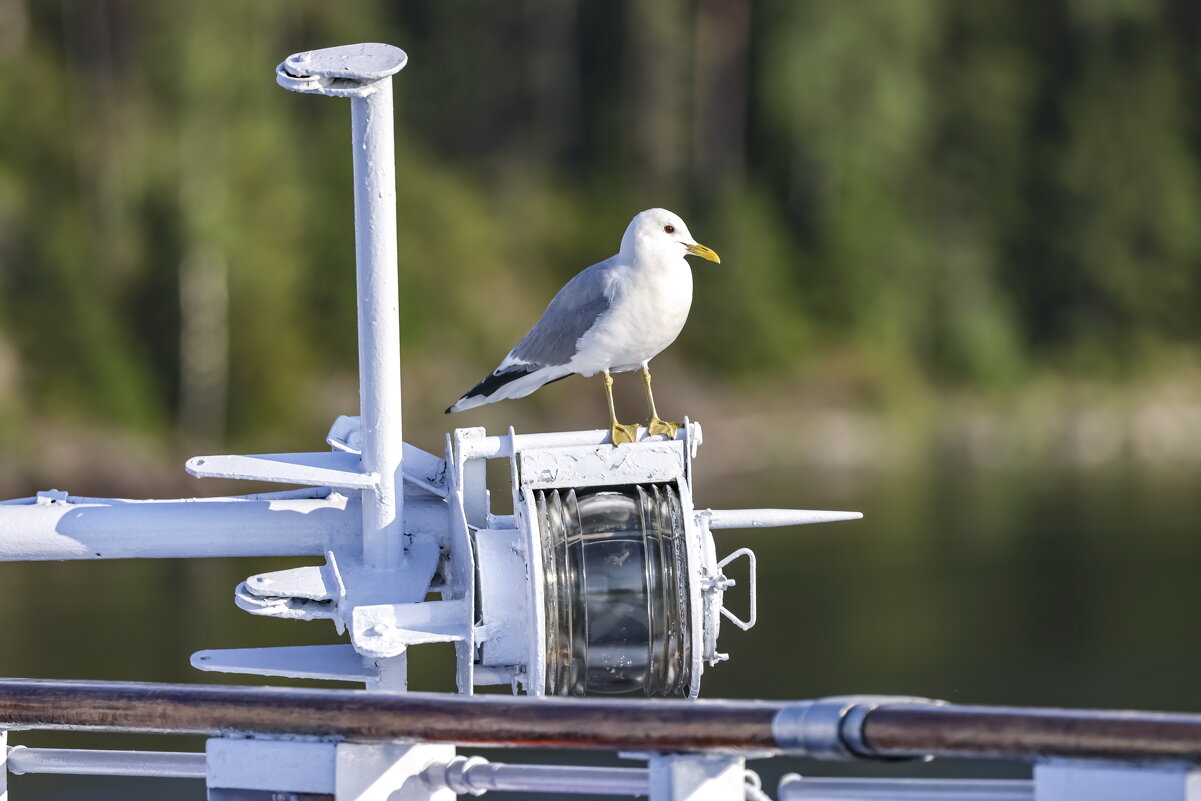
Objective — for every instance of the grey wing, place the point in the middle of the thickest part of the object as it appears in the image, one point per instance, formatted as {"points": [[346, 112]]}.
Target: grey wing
{"points": [[552, 340]]}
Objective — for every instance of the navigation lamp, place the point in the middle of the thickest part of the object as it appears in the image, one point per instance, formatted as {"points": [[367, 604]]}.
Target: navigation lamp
{"points": [[618, 613]]}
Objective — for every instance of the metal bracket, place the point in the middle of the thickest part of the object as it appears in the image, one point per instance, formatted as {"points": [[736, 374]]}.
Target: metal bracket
{"points": [[724, 582], [347, 71], [323, 662]]}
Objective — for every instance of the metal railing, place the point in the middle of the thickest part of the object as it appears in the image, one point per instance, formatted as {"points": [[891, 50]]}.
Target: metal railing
{"points": [[841, 728], [1073, 750]]}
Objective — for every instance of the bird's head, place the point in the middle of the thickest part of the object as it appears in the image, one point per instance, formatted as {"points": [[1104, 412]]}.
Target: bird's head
{"points": [[661, 231]]}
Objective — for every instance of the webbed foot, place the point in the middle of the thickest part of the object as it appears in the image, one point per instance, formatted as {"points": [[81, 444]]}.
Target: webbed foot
{"points": [[657, 426], [622, 434]]}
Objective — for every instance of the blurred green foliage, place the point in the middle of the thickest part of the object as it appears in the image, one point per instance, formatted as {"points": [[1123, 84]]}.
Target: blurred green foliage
{"points": [[937, 193]]}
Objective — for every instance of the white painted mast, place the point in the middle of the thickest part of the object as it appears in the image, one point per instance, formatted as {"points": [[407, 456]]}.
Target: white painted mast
{"points": [[363, 73]]}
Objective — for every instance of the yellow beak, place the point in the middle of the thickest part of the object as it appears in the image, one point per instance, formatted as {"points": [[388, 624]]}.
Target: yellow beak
{"points": [[703, 252]]}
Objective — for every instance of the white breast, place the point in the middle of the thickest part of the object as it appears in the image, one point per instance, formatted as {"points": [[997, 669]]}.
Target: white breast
{"points": [[649, 306]]}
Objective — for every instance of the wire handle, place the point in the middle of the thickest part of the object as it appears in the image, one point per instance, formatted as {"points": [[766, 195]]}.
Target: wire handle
{"points": [[750, 555]]}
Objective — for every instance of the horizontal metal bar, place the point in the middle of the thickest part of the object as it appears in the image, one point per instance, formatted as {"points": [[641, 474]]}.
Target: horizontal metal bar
{"points": [[844, 728], [476, 775], [88, 762], [768, 518], [796, 788], [1029, 733], [504, 445], [115, 528], [560, 779], [630, 724], [197, 527]]}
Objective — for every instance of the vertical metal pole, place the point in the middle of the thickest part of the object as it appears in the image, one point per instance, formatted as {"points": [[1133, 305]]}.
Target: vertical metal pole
{"points": [[3, 765], [363, 73], [379, 323]]}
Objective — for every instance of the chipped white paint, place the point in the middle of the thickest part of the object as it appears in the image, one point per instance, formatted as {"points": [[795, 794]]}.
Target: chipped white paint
{"points": [[602, 465], [499, 447]]}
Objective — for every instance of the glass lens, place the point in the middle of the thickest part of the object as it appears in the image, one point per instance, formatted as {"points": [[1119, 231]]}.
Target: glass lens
{"points": [[616, 591]]}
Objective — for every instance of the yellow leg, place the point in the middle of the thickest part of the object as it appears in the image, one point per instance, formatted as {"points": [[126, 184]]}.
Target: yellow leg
{"points": [[655, 425], [620, 433]]}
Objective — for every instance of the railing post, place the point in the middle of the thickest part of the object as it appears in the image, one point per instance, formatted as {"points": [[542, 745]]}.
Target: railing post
{"points": [[697, 777], [1070, 780], [384, 771]]}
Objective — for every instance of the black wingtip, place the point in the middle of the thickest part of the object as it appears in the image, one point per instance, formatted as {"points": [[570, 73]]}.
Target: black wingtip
{"points": [[495, 381]]}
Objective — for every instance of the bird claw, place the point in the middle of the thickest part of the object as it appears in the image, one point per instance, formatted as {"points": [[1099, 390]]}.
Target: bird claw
{"points": [[657, 426], [622, 434]]}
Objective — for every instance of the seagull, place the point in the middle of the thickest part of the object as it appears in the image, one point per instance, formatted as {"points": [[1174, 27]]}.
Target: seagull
{"points": [[613, 317]]}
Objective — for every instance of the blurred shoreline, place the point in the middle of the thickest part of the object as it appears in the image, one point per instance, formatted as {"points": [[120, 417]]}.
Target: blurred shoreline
{"points": [[750, 429]]}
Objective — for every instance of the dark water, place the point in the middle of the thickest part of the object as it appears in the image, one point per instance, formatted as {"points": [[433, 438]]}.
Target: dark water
{"points": [[1021, 587]]}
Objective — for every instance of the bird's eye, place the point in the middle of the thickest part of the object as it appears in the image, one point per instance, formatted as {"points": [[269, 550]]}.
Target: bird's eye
{"points": [[669, 229]]}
